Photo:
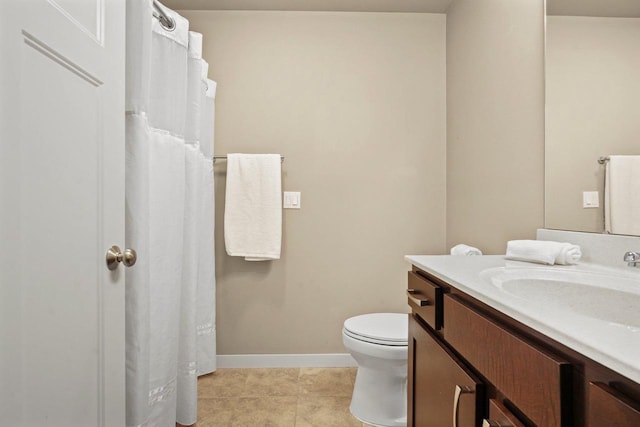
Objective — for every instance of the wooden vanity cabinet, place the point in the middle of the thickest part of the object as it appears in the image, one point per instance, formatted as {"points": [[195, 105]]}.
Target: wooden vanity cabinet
{"points": [[452, 346], [518, 376]]}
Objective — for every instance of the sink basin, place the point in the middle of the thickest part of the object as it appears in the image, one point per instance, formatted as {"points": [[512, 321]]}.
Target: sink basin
{"points": [[610, 298]]}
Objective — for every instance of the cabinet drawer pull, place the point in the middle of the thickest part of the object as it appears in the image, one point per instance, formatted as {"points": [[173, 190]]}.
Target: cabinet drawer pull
{"points": [[416, 301], [456, 401], [491, 423]]}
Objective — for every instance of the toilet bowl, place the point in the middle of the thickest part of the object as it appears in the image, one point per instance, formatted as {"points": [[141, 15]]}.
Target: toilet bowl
{"points": [[378, 343]]}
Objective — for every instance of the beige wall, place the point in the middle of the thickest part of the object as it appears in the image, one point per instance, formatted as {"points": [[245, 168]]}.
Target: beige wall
{"points": [[356, 103], [495, 121], [593, 99]]}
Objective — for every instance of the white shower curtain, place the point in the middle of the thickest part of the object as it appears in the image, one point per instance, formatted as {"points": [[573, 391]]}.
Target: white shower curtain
{"points": [[170, 295]]}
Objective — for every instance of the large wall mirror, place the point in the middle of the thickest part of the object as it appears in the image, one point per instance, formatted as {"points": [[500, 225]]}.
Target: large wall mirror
{"points": [[592, 99]]}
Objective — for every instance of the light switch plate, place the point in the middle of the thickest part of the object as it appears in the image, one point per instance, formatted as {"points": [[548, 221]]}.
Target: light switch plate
{"points": [[590, 199], [291, 200]]}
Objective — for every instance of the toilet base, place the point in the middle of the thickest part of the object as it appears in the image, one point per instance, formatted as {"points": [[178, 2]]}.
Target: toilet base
{"points": [[369, 423], [379, 398]]}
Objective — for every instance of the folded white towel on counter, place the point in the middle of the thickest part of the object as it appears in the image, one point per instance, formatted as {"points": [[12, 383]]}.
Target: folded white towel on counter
{"points": [[543, 252], [569, 254], [253, 206], [463, 249]]}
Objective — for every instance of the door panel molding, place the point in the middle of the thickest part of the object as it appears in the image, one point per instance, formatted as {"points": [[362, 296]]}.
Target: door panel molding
{"points": [[97, 33], [48, 51]]}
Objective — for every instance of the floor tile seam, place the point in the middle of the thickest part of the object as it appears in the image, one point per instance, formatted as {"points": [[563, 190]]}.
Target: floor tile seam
{"points": [[295, 418], [325, 394]]}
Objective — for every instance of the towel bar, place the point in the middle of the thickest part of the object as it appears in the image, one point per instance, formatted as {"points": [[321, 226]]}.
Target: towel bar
{"points": [[225, 158]]}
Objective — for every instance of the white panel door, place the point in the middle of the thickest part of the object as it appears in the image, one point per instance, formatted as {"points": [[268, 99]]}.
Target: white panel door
{"points": [[61, 208]]}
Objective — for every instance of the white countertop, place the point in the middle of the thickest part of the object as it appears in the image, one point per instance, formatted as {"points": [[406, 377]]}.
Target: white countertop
{"points": [[611, 344]]}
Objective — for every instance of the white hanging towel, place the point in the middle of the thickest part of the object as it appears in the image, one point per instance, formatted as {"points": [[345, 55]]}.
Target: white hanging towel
{"points": [[253, 212], [622, 195]]}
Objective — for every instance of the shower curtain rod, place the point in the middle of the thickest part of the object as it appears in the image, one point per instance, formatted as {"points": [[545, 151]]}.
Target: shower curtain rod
{"points": [[225, 158], [166, 21]]}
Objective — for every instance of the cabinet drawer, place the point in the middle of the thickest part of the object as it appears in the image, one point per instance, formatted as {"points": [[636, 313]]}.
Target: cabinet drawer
{"points": [[425, 299], [500, 416], [536, 382], [609, 407]]}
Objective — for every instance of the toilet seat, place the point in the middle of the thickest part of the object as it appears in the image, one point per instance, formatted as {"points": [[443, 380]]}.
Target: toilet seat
{"points": [[389, 329]]}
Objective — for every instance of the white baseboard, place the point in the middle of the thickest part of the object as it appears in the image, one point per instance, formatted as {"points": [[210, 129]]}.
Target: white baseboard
{"points": [[323, 360]]}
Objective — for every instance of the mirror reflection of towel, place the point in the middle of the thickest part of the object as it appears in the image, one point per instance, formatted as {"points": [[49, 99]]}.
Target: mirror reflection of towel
{"points": [[622, 195]]}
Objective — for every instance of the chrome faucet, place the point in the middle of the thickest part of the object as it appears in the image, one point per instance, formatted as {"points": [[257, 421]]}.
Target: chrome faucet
{"points": [[632, 259]]}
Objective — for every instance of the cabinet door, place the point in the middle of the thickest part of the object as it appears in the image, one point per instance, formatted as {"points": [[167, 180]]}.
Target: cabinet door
{"points": [[608, 407], [441, 389]]}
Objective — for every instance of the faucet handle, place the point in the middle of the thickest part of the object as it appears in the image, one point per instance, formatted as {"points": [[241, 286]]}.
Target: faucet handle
{"points": [[632, 259]]}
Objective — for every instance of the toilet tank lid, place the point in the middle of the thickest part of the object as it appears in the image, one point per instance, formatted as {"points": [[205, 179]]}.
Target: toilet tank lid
{"points": [[393, 327]]}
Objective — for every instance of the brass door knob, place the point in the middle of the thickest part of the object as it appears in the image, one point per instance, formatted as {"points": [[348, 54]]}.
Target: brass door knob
{"points": [[116, 256]]}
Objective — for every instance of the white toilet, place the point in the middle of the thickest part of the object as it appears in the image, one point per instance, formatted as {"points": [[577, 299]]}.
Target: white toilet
{"points": [[378, 343]]}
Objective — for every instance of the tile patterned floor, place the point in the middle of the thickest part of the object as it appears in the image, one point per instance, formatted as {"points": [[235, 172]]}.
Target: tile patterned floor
{"points": [[291, 397]]}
